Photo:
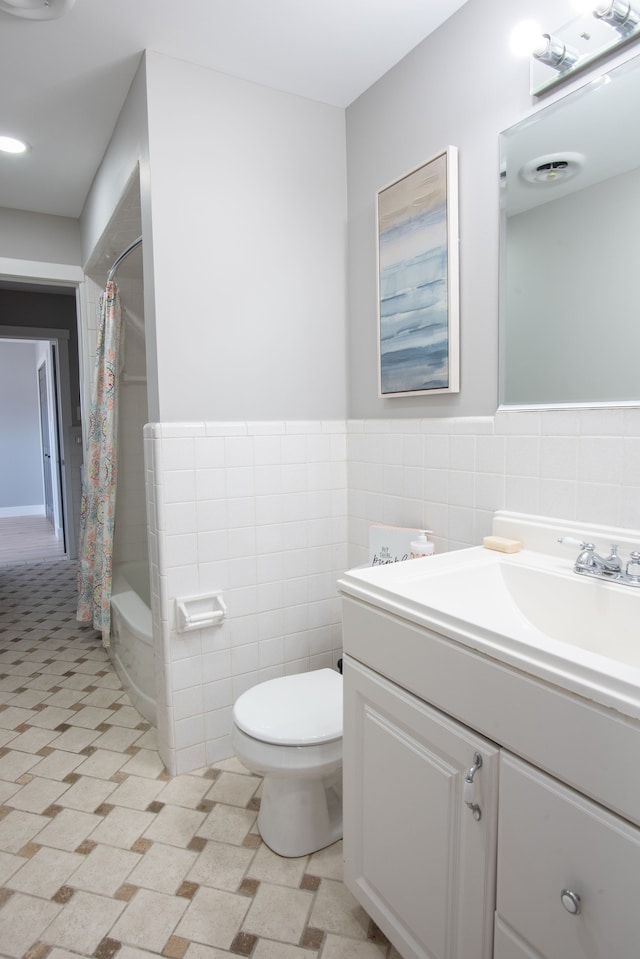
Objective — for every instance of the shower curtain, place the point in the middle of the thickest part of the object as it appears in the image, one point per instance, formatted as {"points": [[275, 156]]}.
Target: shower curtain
{"points": [[95, 553]]}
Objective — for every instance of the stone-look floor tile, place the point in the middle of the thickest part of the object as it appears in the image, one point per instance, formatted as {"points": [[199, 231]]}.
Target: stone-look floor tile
{"points": [[101, 697], [131, 952], [104, 870], [234, 789], [33, 739], [175, 948], [83, 922], [75, 739], [336, 910], [278, 912], [37, 795], [14, 716], [266, 949], [328, 863], [18, 828], [243, 944], [184, 791], [338, 947], [126, 716], [44, 873], [69, 828], [213, 917], [15, 764], [51, 717], [107, 948], [122, 827], [268, 867], [56, 765], [148, 740], [149, 920], [65, 697], [146, 763], [23, 919], [89, 718], [9, 864], [117, 738], [174, 825], [87, 794], [197, 951], [221, 866], [136, 793], [163, 868], [227, 824], [101, 764]]}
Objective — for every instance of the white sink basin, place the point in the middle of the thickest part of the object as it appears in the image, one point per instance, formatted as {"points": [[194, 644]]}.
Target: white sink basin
{"points": [[527, 609]]}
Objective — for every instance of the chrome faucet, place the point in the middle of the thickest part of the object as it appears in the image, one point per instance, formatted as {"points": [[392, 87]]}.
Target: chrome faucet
{"points": [[590, 563]]}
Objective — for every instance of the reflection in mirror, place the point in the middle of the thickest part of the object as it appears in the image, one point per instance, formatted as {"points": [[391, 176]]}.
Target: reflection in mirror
{"points": [[570, 249]]}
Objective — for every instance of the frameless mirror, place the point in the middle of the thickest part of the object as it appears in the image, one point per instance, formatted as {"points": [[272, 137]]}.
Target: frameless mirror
{"points": [[570, 249]]}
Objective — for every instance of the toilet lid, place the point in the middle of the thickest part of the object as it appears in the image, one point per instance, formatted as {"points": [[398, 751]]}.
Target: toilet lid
{"points": [[300, 710]]}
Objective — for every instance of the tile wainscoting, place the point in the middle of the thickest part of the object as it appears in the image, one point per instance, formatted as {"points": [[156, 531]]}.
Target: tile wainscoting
{"points": [[272, 513]]}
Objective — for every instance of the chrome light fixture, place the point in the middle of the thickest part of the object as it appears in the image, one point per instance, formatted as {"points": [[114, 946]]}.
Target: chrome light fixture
{"points": [[618, 14], [555, 53]]}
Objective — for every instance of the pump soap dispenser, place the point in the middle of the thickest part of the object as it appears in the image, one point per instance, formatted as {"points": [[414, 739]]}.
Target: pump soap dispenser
{"points": [[421, 546]]}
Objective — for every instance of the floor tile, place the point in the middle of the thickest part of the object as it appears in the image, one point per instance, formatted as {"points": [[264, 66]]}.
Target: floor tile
{"points": [[102, 764], [213, 917], [184, 791], [266, 949], [56, 765], [83, 922], [163, 868], [22, 920], [327, 863], [122, 827], [44, 873], [16, 764], [37, 795], [227, 824], [233, 789], [336, 910], [18, 828], [278, 913], [149, 920], [221, 866], [104, 870], [69, 828], [145, 763], [175, 825], [87, 794], [136, 793], [74, 740], [268, 867]]}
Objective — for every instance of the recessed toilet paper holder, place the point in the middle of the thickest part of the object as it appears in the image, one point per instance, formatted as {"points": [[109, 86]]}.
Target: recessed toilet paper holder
{"points": [[199, 612]]}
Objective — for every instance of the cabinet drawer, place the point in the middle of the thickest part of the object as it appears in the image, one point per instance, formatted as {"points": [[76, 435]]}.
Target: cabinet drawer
{"points": [[507, 945], [551, 839]]}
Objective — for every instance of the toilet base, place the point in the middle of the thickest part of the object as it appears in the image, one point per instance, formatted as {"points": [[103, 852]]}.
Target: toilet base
{"points": [[299, 816]]}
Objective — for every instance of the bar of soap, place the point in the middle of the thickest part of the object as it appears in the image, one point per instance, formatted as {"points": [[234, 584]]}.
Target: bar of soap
{"points": [[502, 544]]}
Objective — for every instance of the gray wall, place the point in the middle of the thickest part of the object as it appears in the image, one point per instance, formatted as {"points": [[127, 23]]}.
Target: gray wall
{"points": [[20, 445], [47, 311], [461, 86]]}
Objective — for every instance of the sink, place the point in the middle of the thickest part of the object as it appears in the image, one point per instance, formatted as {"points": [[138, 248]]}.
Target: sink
{"points": [[527, 609]]}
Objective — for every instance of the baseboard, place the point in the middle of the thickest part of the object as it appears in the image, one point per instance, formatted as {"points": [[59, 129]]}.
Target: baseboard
{"points": [[22, 510]]}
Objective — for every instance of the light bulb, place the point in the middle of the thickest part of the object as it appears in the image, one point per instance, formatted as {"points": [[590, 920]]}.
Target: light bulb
{"points": [[11, 145], [525, 38]]}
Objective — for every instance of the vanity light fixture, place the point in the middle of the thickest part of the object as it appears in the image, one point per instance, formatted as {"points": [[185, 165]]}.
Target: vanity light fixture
{"points": [[12, 145], [554, 52], [619, 14]]}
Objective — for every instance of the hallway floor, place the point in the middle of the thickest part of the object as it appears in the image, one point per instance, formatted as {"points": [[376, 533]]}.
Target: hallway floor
{"points": [[102, 853], [28, 538]]}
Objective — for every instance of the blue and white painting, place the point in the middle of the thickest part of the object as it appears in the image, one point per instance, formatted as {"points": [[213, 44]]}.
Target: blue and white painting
{"points": [[413, 257]]}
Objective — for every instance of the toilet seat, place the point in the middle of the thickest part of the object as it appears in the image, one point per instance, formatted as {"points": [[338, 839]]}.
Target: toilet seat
{"points": [[304, 709]]}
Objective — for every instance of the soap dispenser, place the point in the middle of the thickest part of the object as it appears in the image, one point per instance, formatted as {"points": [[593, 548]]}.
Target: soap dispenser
{"points": [[421, 546]]}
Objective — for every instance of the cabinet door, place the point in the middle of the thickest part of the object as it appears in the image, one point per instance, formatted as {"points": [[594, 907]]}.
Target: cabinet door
{"points": [[553, 841], [416, 857]]}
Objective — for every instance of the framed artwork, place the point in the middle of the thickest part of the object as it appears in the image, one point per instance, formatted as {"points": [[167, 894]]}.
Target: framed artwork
{"points": [[418, 293]]}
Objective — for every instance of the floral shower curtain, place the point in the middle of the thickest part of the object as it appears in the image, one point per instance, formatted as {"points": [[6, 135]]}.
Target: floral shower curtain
{"points": [[100, 472]]}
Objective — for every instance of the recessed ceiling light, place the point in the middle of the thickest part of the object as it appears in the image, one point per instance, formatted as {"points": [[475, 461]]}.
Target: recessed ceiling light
{"points": [[11, 145], [36, 9]]}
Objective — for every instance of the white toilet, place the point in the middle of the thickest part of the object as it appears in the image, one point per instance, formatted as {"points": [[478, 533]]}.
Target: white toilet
{"points": [[289, 730]]}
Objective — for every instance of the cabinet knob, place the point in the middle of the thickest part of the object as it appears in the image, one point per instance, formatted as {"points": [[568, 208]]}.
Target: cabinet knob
{"points": [[571, 902]]}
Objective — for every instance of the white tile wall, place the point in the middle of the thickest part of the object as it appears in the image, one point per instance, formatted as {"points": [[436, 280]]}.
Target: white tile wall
{"points": [[272, 513], [259, 511], [454, 473]]}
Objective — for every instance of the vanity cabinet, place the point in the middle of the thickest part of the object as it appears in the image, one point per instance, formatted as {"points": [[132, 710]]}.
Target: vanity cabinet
{"points": [[558, 793], [422, 861]]}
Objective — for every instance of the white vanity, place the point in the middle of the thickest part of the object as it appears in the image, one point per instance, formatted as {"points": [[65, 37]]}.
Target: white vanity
{"points": [[492, 750]]}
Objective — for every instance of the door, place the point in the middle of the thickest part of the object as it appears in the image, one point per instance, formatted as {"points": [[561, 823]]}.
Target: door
{"points": [[418, 859], [46, 443]]}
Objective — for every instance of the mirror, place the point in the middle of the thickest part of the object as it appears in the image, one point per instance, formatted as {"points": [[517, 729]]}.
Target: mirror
{"points": [[570, 249]]}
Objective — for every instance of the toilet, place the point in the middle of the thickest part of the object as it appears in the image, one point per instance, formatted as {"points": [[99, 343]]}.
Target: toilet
{"points": [[289, 730]]}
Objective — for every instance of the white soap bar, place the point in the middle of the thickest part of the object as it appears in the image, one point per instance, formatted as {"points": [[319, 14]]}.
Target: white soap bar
{"points": [[502, 544]]}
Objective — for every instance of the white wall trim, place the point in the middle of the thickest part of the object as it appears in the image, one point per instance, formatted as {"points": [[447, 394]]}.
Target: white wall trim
{"points": [[63, 273], [22, 510]]}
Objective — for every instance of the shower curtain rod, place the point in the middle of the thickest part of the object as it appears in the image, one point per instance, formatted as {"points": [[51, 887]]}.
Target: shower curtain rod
{"points": [[123, 256]]}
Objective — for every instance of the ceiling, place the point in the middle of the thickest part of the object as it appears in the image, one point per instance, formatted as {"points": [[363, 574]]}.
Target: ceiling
{"points": [[63, 81]]}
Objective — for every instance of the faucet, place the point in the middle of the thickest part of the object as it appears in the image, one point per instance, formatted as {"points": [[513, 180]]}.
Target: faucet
{"points": [[590, 563]]}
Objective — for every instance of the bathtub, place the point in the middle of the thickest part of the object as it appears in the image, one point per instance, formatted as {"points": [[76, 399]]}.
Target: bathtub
{"points": [[131, 649]]}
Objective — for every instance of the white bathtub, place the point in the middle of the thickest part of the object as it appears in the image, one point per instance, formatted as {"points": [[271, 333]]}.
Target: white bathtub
{"points": [[131, 649]]}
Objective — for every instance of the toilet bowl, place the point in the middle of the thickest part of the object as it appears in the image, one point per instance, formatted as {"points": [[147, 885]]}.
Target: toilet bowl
{"points": [[289, 730]]}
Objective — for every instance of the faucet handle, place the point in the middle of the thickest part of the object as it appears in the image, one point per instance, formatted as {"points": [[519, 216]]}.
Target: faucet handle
{"points": [[633, 567], [572, 541]]}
